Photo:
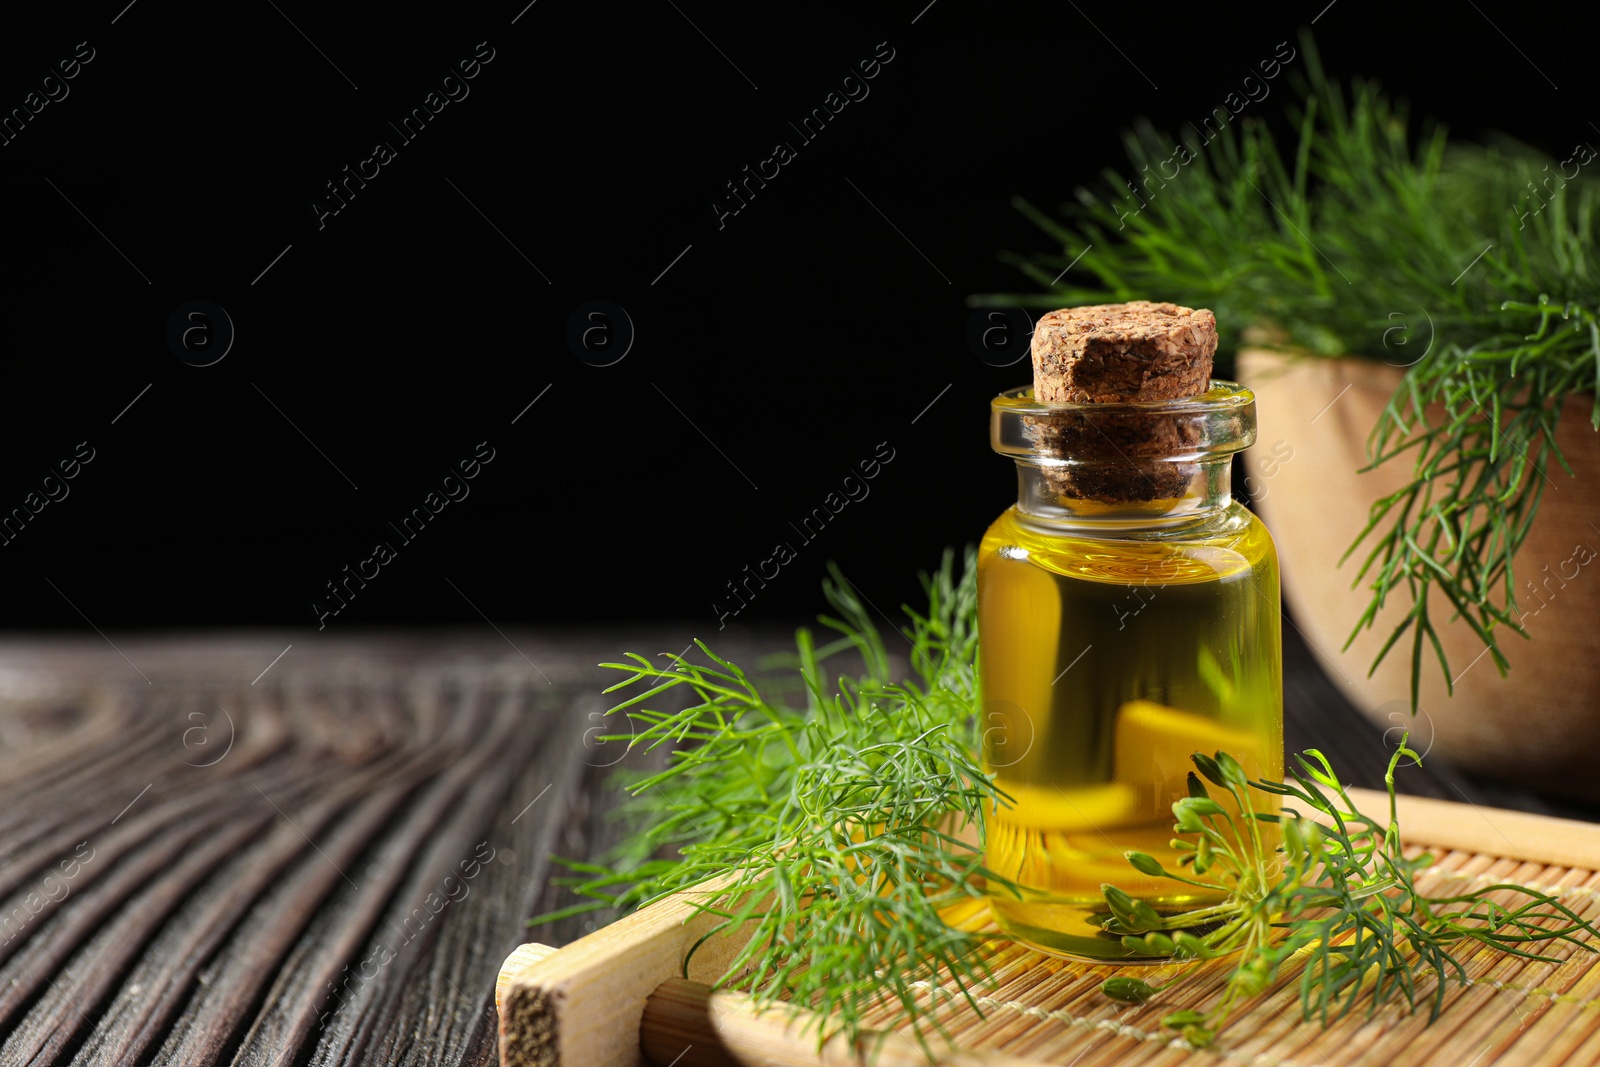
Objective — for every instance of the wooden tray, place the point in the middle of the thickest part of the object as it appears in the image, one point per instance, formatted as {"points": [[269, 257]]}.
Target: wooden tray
{"points": [[617, 998]]}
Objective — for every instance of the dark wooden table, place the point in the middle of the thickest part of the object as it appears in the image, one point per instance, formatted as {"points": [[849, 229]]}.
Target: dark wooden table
{"points": [[216, 856]]}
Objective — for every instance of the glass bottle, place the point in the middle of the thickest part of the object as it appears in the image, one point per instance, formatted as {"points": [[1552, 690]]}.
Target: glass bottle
{"points": [[1128, 616]]}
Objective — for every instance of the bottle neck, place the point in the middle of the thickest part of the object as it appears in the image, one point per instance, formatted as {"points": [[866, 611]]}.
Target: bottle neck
{"points": [[1190, 491], [1124, 467]]}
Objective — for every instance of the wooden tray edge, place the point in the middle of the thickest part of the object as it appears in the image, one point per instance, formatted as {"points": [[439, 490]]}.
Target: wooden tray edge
{"points": [[1468, 827]]}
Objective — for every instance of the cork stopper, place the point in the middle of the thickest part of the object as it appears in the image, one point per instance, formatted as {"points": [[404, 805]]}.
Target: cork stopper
{"points": [[1115, 353], [1119, 354]]}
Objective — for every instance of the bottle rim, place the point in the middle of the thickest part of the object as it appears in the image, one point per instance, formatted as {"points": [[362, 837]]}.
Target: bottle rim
{"points": [[1222, 396], [1129, 461], [1216, 423]]}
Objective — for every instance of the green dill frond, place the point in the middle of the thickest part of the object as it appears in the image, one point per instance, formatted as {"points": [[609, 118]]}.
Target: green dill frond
{"points": [[1473, 267], [1346, 901], [850, 816]]}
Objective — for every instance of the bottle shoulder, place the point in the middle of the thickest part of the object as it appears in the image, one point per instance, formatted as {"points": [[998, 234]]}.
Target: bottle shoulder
{"points": [[1232, 540]]}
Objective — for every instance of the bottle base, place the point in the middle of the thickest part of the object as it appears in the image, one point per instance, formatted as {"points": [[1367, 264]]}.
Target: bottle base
{"points": [[1069, 931]]}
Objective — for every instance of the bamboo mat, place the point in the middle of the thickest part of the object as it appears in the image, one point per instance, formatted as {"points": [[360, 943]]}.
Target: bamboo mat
{"points": [[1511, 1011], [1042, 1010]]}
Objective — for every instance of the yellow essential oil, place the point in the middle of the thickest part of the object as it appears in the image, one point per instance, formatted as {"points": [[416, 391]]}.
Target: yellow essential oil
{"points": [[1114, 641]]}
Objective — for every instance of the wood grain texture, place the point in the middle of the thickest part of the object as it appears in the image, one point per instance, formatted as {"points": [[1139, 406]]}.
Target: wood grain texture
{"points": [[240, 901], [326, 867]]}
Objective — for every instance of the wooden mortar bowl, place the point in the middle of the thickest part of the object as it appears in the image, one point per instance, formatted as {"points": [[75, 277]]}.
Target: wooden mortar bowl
{"points": [[1540, 725]]}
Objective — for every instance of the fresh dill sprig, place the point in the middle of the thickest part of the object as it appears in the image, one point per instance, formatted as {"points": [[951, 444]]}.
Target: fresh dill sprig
{"points": [[835, 821], [1474, 267], [1346, 899], [831, 828]]}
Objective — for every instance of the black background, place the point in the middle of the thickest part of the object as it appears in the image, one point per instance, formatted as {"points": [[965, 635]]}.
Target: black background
{"points": [[815, 324]]}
